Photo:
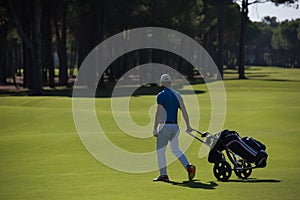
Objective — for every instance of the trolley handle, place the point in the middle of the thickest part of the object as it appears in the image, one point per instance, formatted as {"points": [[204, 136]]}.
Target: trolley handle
{"points": [[200, 133]]}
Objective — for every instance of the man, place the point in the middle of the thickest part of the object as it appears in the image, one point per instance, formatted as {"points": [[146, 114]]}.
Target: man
{"points": [[166, 128]]}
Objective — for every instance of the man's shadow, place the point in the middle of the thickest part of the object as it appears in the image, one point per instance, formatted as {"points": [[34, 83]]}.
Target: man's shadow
{"points": [[195, 184]]}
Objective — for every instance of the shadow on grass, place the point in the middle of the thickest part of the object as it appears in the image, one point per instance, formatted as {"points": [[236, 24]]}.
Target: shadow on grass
{"points": [[279, 80], [196, 184], [254, 180], [105, 92], [66, 92], [261, 78], [14, 93], [154, 90]]}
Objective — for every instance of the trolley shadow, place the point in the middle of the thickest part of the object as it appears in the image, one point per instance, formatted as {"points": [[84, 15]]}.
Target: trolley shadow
{"points": [[254, 180]]}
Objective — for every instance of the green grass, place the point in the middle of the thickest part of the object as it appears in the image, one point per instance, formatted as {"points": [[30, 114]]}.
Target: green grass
{"points": [[42, 157]]}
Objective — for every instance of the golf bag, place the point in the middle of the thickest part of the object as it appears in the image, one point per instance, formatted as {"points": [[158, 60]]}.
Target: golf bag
{"points": [[247, 148]]}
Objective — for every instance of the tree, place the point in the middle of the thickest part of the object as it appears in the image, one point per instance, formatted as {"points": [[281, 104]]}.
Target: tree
{"points": [[220, 8], [33, 44], [75, 27], [48, 61], [61, 40], [244, 22], [231, 42], [3, 41], [244, 18], [259, 47], [286, 43]]}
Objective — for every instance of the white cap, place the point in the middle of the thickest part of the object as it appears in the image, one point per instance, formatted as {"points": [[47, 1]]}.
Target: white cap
{"points": [[165, 78]]}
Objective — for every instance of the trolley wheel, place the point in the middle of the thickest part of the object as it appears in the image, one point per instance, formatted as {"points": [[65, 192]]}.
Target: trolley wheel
{"points": [[243, 173], [222, 171]]}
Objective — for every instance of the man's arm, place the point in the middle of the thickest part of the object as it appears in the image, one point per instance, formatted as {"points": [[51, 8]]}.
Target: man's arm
{"points": [[158, 116], [185, 116]]}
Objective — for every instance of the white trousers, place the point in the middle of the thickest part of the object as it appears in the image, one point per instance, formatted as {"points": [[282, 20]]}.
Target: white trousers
{"points": [[168, 134]]}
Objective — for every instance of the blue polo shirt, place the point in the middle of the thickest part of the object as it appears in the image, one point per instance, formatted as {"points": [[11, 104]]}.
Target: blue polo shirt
{"points": [[169, 99]]}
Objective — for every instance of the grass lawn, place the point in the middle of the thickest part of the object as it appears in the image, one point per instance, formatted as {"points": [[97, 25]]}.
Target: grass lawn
{"points": [[42, 157]]}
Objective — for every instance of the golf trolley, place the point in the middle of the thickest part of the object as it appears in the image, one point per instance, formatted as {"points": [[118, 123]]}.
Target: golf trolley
{"points": [[241, 152]]}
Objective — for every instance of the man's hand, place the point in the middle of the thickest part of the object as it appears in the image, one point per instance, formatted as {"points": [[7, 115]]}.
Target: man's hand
{"points": [[189, 129], [158, 116], [155, 133]]}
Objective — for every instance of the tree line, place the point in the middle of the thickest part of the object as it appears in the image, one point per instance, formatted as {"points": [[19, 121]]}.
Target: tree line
{"points": [[39, 38]]}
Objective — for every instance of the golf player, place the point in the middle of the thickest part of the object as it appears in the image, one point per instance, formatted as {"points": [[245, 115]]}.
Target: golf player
{"points": [[166, 128]]}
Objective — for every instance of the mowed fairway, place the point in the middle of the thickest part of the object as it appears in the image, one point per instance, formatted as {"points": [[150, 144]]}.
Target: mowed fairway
{"points": [[42, 157]]}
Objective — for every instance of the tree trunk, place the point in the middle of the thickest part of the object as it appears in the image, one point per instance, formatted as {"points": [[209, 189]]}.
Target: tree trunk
{"points": [[34, 46], [63, 72], [26, 49], [61, 49], [220, 17], [73, 57], [244, 14], [37, 43], [3, 54], [47, 48]]}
